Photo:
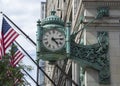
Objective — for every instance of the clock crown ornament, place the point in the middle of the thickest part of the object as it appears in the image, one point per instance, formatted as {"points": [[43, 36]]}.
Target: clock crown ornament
{"points": [[52, 19]]}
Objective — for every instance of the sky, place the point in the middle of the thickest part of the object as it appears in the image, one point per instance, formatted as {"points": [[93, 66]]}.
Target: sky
{"points": [[24, 13]]}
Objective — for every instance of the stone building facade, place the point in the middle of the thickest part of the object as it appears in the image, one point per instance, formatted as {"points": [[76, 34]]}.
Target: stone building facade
{"points": [[80, 13]]}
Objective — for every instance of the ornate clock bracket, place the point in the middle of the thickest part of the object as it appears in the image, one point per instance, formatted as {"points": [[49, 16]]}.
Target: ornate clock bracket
{"points": [[94, 56]]}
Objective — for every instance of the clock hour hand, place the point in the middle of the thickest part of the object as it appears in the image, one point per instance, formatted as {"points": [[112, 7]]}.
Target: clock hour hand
{"points": [[53, 39], [58, 38]]}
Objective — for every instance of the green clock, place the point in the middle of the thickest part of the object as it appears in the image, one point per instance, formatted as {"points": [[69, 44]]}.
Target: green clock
{"points": [[53, 40]]}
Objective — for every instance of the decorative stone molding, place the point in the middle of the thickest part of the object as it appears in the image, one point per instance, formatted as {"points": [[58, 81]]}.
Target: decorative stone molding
{"points": [[101, 3]]}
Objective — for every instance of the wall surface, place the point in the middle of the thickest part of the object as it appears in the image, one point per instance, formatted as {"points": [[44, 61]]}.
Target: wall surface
{"points": [[110, 24], [114, 56], [77, 8]]}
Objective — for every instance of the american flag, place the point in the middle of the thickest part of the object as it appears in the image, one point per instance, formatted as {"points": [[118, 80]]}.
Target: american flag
{"points": [[8, 34], [1, 49], [18, 55], [18, 78]]}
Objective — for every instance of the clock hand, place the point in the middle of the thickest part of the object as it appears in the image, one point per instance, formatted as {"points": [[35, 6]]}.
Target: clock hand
{"points": [[59, 38], [53, 39]]}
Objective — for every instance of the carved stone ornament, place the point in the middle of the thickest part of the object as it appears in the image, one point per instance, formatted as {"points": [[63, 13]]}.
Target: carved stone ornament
{"points": [[94, 56]]}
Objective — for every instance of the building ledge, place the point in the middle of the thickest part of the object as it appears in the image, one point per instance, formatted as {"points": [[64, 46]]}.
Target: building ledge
{"points": [[101, 3]]}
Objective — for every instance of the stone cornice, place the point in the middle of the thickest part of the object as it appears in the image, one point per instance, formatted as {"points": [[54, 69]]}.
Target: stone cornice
{"points": [[101, 3]]}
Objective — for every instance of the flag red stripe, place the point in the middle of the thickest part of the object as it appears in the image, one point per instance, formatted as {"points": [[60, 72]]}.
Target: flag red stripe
{"points": [[8, 33], [9, 39], [0, 49], [17, 52], [16, 62], [19, 55], [16, 58], [10, 42]]}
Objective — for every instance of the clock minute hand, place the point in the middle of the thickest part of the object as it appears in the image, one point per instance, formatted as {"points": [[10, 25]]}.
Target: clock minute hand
{"points": [[53, 39]]}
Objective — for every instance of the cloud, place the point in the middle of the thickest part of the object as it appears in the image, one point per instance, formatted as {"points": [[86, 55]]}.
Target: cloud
{"points": [[20, 7]]}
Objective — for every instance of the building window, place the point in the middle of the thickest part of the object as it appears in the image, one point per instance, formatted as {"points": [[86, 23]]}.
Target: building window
{"points": [[76, 4], [58, 4], [70, 19]]}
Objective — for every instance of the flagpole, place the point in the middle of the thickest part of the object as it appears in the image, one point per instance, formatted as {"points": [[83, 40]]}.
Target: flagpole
{"points": [[36, 64], [37, 72], [30, 76], [19, 29], [26, 81], [67, 76]]}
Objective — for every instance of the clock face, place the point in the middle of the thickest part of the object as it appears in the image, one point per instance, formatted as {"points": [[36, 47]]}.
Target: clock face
{"points": [[53, 40]]}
